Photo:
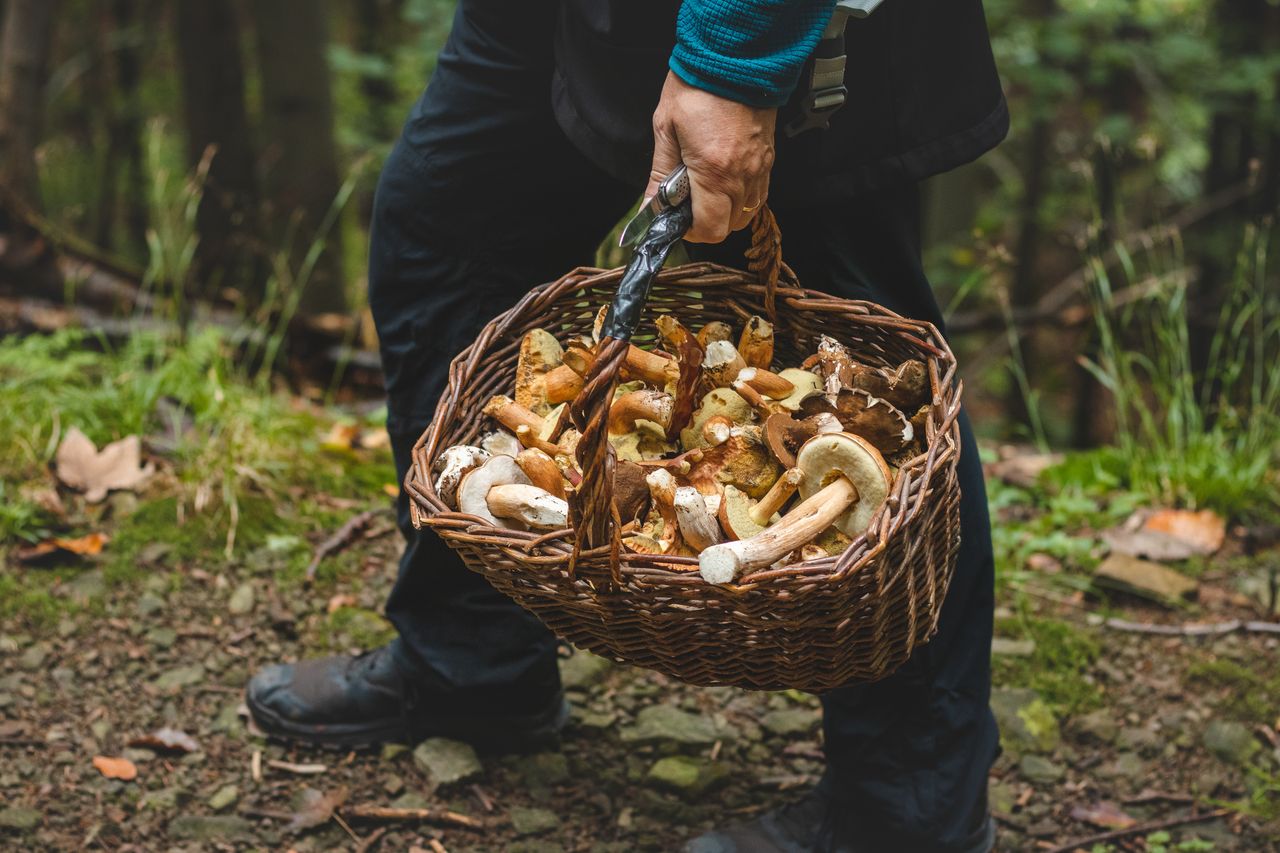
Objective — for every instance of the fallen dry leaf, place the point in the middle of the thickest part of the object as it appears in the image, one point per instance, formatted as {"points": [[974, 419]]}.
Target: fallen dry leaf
{"points": [[391, 490], [315, 808], [167, 740], [115, 768], [1104, 814], [1024, 469], [340, 601], [82, 466], [340, 437], [49, 549], [1204, 530]]}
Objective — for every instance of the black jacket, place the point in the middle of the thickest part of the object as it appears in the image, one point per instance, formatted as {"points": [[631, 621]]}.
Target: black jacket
{"points": [[924, 95]]}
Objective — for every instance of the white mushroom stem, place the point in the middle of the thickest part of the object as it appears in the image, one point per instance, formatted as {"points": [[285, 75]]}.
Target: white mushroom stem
{"points": [[762, 406], [512, 415], [542, 469], [766, 382], [529, 438], [662, 488], [501, 443], [725, 562], [716, 430], [722, 363], [697, 525], [535, 507], [779, 493]]}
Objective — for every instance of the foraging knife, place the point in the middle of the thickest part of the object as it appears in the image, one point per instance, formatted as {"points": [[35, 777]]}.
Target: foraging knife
{"points": [[673, 190]]}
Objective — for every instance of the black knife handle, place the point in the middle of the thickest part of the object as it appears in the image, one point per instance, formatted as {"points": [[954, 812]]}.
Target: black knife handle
{"points": [[651, 252]]}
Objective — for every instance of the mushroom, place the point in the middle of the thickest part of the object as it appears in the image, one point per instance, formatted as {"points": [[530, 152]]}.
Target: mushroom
{"points": [[716, 430], [542, 470], [774, 499], [873, 418], [742, 460], [721, 364], [653, 406], [531, 506], [698, 525], [655, 368], [834, 364], [756, 343], [646, 442], [763, 408], [473, 491], [662, 488], [512, 415], [735, 514], [844, 482], [905, 386], [501, 443], [561, 384], [721, 401], [540, 352], [630, 491], [450, 467], [784, 434], [689, 354], [766, 382], [716, 330], [804, 385]]}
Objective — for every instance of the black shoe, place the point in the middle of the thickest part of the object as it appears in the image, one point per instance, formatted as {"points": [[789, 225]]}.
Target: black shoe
{"points": [[815, 825], [369, 699]]}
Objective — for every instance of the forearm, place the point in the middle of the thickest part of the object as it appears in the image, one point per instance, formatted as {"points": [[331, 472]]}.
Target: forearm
{"points": [[749, 51]]}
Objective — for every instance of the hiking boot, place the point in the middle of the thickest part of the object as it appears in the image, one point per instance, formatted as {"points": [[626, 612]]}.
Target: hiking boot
{"points": [[816, 824], [369, 699]]}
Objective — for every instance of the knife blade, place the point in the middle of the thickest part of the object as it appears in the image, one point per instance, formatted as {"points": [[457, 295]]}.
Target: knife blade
{"points": [[673, 190]]}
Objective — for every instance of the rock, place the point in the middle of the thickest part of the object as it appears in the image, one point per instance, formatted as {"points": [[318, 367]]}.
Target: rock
{"points": [[1001, 797], [224, 797], [1142, 741], [211, 828], [790, 721], [34, 657], [86, 587], [1098, 726], [1027, 724], [182, 676], [411, 800], [392, 751], [1126, 765], [1230, 742], [1040, 770], [162, 799], [595, 720], [544, 769], [686, 775], [19, 819], [445, 761], [242, 600], [1012, 648], [526, 821], [393, 785], [162, 638], [582, 670], [658, 723], [1145, 579], [149, 604]]}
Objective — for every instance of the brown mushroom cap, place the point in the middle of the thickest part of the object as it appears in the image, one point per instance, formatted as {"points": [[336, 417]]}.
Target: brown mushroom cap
{"points": [[743, 461], [720, 401], [630, 491], [873, 418], [906, 386], [735, 514], [716, 330], [839, 454], [473, 491]]}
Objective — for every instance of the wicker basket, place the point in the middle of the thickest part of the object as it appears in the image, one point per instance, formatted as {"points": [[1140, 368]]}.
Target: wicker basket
{"points": [[813, 625]]}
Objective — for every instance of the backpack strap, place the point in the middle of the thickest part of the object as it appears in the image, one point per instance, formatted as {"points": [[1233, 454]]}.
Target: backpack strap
{"points": [[826, 91]]}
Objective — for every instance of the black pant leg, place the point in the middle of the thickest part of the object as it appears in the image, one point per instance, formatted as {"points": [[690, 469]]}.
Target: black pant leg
{"points": [[908, 755], [482, 198]]}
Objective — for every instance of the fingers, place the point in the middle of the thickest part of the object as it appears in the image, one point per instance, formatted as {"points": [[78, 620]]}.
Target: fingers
{"points": [[712, 210], [755, 196], [666, 157]]}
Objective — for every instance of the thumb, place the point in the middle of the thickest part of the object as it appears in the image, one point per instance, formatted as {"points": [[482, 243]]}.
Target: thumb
{"points": [[666, 157]]}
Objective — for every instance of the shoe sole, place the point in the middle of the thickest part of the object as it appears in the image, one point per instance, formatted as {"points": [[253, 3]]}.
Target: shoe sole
{"points": [[493, 734]]}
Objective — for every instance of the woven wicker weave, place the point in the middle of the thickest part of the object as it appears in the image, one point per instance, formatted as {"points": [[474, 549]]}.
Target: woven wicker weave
{"points": [[813, 625]]}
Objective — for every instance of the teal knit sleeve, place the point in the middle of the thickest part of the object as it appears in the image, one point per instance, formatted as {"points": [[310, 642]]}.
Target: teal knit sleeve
{"points": [[750, 51]]}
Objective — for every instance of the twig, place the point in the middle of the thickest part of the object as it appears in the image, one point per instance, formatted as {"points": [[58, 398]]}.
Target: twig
{"points": [[1140, 829], [1201, 629], [486, 801], [339, 540], [429, 815], [300, 769], [21, 741], [372, 839], [436, 846], [346, 826]]}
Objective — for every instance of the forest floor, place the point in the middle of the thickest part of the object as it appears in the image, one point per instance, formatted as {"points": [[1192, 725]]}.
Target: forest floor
{"points": [[1104, 729]]}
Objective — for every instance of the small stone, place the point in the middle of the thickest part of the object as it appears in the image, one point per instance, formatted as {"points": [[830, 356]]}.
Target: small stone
{"points": [[100, 729], [182, 676], [1027, 724], [1126, 765], [1098, 726], [34, 657], [224, 797], [393, 785], [690, 776], [162, 799], [595, 720], [1001, 797], [162, 638], [392, 751], [582, 670], [137, 755], [19, 819], [790, 721], [658, 723], [534, 845], [526, 821], [1152, 581], [1230, 742], [1142, 741], [242, 600], [445, 761], [1012, 648], [149, 604], [86, 587], [1040, 770], [544, 769], [410, 800], [211, 828]]}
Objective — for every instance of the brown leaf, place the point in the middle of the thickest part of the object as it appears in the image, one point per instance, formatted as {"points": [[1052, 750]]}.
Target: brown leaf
{"points": [[167, 740], [95, 472], [115, 768], [315, 808], [340, 601], [1203, 530], [340, 437], [1104, 814], [51, 549]]}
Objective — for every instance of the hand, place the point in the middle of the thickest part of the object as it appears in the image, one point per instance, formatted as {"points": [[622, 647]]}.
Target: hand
{"points": [[728, 149]]}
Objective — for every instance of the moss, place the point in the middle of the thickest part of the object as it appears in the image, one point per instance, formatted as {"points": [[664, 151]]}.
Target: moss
{"points": [[354, 627], [1058, 667], [31, 599], [1246, 694]]}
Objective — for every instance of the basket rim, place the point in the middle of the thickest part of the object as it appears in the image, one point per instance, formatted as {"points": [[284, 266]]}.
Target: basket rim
{"points": [[555, 548]]}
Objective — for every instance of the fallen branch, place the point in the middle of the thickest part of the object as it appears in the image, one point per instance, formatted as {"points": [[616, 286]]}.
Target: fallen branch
{"points": [[372, 840], [1140, 829], [344, 537], [429, 815], [300, 769], [1201, 629]]}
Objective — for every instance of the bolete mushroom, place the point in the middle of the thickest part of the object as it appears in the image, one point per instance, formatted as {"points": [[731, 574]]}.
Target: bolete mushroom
{"points": [[542, 470], [834, 364], [716, 330], [648, 405], [804, 386], [784, 434], [905, 386], [756, 343], [473, 491], [735, 514], [845, 481], [662, 489], [720, 401], [529, 505], [499, 442], [873, 418], [630, 491], [766, 382], [450, 467], [721, 364], [697, 523], [742, 460], [540, 352]]}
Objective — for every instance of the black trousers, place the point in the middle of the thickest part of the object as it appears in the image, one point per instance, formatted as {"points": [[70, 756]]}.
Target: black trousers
{"points": [[482, 198]]}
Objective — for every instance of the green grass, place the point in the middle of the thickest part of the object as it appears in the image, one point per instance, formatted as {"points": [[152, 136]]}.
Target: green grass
{"points": [[1248, 694]]}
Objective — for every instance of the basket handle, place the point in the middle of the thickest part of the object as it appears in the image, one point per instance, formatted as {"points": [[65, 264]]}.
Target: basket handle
{"points": [[593, 513]]}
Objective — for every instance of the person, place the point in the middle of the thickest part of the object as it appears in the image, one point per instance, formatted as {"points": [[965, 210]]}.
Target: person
{"points": [[533, 138]]}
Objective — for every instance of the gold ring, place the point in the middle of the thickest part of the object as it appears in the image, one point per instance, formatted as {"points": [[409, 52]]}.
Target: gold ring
{"points": [[752, 208]]}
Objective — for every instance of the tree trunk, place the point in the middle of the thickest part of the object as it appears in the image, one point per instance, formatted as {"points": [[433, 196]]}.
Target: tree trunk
{"points": [[300, 160], [24, 61], [214, 112]]}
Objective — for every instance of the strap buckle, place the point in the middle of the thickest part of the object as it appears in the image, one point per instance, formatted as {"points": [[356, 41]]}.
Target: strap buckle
{"points": [[817, 109]]}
